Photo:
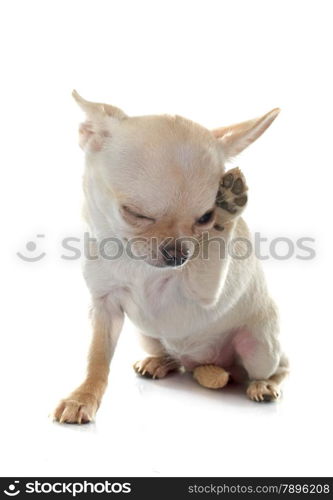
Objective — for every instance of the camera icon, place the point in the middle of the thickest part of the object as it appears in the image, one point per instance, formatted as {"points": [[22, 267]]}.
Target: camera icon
{"points": [[12, 489]]}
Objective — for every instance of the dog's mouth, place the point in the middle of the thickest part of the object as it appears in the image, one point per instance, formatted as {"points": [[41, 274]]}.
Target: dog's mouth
{"points": [[161, 264]]}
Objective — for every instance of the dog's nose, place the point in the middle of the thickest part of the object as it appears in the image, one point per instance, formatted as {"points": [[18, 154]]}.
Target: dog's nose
{"points": [[174, 254]]}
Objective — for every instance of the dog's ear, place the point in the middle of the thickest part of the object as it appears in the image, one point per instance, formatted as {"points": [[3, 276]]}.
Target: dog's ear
{"points": [[98, 125], [237, 137]]}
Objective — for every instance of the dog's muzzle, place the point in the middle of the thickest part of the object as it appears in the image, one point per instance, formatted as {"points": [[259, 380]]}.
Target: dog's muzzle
{"points": [[174, 254]]}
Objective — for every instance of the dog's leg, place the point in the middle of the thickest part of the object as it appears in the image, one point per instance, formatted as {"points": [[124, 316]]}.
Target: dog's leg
{"points": [[204, 276], [159, 364], [82, 404], [269, 390], [257, 345], [258, 348]]}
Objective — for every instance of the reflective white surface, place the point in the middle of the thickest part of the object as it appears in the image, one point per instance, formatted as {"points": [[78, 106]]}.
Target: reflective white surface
{"points": [[165, 427]]}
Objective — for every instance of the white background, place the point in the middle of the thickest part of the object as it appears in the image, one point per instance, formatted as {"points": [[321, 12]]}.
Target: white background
{"points": [[215, 62]]}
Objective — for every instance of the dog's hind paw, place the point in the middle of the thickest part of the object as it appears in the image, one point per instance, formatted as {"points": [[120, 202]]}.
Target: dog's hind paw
{"points": [[232, 193], [155, 367], [263, 390]]}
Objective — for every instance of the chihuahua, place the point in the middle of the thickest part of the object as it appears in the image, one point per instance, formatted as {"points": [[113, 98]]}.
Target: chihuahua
{"points": [[170, 250]]}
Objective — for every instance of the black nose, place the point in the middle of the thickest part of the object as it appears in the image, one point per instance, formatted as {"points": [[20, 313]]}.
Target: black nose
{"points": [[174, 254]]}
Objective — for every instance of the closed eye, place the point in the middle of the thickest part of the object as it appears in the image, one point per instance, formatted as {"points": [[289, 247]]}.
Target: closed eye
{"points": [[205, 218], [136, 215]]}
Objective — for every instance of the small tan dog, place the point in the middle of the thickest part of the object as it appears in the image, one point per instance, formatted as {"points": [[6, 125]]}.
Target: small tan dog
{"points": [[158, 185]]}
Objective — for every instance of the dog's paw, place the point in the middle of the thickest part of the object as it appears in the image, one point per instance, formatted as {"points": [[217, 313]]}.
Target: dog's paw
{"points": [[80, 408], [232, 193], [263, 390], [155, 367]]}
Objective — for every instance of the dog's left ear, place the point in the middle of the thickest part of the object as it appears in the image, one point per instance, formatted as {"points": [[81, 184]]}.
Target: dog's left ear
{"points": [[237, 137], [99, 122]]}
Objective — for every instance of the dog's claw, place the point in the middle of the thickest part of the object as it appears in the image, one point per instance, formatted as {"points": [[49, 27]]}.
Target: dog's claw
{"points": [[263, 390], [155, 367]]}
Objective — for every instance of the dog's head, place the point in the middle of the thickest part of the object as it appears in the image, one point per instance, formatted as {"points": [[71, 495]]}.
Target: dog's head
{"points": [[153, 179]]}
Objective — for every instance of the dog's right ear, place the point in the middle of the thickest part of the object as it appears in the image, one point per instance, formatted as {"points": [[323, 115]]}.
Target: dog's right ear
{"points": [[98, 125]]}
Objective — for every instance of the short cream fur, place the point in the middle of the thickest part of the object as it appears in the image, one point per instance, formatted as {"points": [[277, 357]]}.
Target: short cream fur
{"points": [[154, 177]]}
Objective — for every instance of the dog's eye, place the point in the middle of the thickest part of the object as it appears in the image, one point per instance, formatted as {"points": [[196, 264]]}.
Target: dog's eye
{"points": [[135, 214], [205, 218]]}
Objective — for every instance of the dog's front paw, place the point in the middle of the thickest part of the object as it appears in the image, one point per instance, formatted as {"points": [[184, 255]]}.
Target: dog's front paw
{"points": [[155, 367], [232, 193], [263, 390], [79, 408]]}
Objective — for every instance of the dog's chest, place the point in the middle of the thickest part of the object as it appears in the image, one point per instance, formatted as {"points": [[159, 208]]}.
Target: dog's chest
{"points": [[159, 307], [156, 302]]}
